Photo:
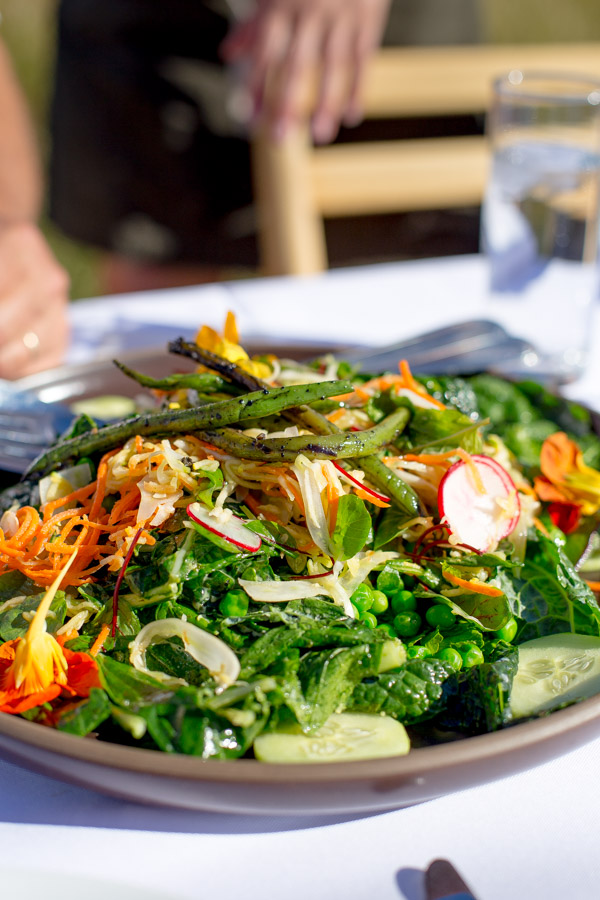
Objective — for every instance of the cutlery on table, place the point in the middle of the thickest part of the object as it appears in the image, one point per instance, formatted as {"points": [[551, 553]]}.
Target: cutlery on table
{"points": [[27, 426], [465, 348], [442, 882]]}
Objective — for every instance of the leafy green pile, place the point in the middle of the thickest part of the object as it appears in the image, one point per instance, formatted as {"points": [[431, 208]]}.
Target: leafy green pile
{"points": [[434, 659]]}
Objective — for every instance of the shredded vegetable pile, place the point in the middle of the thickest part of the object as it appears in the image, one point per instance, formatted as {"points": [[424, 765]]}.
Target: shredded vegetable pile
{"points": [[303, 562]]}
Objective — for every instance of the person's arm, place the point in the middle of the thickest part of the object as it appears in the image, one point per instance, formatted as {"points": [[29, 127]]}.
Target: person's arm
{"points": [[291, 36], [33, 286]]}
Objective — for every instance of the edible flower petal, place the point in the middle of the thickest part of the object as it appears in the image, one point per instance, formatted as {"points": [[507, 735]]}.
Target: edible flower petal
{"points": [[35, 669], [227, 346], [566, 478]]}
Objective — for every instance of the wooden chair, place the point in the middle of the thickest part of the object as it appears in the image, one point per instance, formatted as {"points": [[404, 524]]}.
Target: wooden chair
{"points": [[298, 185]]}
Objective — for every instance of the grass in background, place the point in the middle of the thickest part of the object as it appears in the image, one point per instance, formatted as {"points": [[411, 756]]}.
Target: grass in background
{"points": [[28, 30]]}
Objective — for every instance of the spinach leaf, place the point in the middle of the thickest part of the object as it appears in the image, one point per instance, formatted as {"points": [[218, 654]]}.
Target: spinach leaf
{"points": [[480, 703], [328, 678], [444, 429], [489, 613], [415, 693], [13, 623], [391, 523], [86, 716], [198, 723], [128, 687], [171, 657], [15, 584]]}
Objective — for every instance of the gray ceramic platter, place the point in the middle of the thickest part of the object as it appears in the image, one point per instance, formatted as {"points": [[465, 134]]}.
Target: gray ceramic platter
{"points": [[248, 786]]}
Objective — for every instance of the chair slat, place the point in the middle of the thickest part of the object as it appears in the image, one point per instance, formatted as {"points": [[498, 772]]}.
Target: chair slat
{"points": [[399, 175]]}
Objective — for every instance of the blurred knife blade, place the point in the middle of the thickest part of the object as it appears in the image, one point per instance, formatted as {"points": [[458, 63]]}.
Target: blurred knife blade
{"points": [[442, 882]]}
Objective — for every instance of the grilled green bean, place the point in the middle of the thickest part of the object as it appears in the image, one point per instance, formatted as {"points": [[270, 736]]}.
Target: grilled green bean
{"points": [[343, 445], [203, 382], [218, 364], [256, 404], [378, 473]]}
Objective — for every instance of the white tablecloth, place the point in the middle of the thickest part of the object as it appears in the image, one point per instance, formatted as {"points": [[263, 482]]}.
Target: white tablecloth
{"points": [[530, 835]]}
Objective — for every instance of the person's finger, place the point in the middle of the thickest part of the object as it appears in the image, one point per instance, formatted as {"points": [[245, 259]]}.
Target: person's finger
{"points": [[27, 297], [30, 282], [290, 78], [238, 43], [42, 346], [333, 94], [367, 36], [269, 48]]}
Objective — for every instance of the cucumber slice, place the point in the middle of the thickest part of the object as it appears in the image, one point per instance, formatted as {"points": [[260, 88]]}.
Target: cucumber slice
{"points": [[554, 670], [344, 736], [108, 407]]}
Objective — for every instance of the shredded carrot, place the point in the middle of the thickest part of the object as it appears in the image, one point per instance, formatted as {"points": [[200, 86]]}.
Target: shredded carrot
{"points": [[478, 587], [80, 494], [594, 585], [429, 459], [370, 498], [477, 480], [541, 527], [412, 384], [332, 499]]}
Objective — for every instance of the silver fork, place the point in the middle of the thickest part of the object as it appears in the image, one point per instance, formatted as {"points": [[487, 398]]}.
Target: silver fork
{"points": [[27, 426]]}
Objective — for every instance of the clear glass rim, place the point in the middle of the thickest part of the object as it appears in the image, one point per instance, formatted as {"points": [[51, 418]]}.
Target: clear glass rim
{"points": [[528, 85]]}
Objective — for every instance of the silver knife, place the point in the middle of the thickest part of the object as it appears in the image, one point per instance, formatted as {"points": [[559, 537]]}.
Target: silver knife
{"points": [[442, 882]]}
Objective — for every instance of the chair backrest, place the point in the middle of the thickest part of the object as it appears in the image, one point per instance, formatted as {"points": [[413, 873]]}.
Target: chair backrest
{"points": [[298, 185]]}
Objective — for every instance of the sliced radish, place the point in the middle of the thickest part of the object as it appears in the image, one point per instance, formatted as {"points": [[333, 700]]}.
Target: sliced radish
{"points": [[229, 527], [480, 518], [359, 484]]}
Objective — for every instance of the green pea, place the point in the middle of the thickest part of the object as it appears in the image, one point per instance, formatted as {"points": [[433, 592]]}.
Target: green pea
{"points": [[407, 624], [471, 655], [380, 603], [508, 631], [387, 629], [369, 619], [234, 603], [389, 582], [452, 656], [417, 652], [440, 616], [404, 601], [362, 597]]}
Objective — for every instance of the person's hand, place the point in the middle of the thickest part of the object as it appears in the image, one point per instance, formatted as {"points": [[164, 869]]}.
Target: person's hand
{"points": [[285, 38], [33, 302]]}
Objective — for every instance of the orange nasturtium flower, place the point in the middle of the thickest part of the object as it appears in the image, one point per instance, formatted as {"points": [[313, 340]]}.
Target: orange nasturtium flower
{"points": [[570, 486], [228, 346], [35, 668]]}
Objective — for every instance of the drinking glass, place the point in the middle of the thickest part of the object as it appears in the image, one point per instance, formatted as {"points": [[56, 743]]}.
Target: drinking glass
{"points": [[540, 217]]}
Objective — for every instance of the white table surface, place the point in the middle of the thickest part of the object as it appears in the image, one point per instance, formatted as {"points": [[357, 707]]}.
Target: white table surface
{"points": [[531, 835]]}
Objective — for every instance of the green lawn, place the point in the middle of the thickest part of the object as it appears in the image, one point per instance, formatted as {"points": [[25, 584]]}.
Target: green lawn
{"points": [[28, 26]]}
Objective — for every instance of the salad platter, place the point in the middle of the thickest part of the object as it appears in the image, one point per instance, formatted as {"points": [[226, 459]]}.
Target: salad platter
{"points": [[285, 587]]}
